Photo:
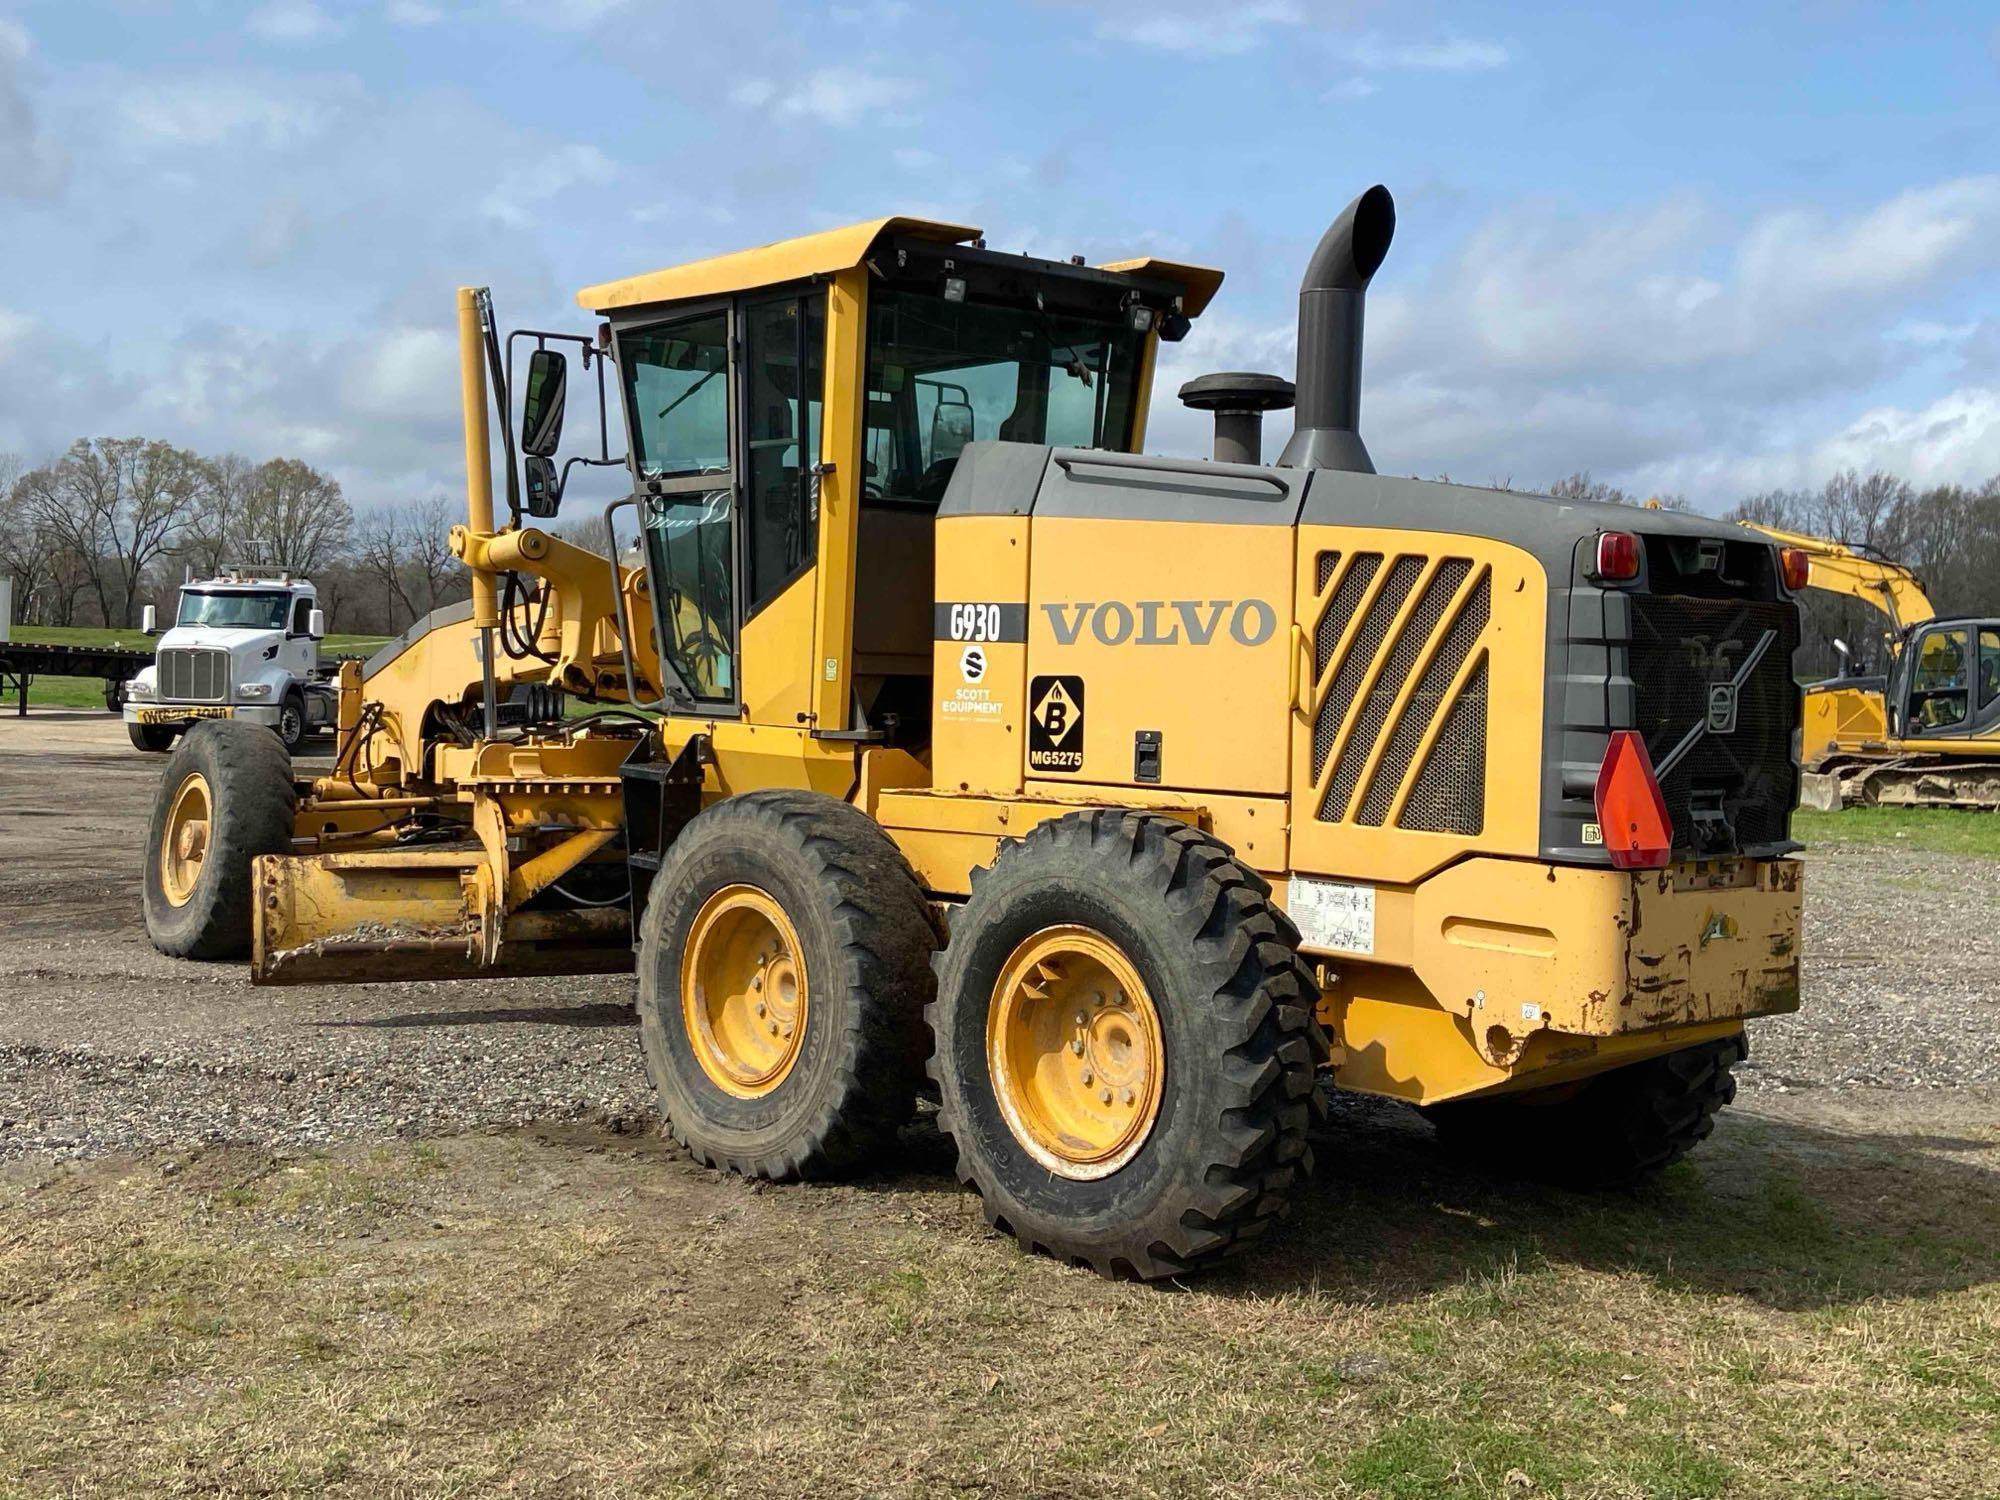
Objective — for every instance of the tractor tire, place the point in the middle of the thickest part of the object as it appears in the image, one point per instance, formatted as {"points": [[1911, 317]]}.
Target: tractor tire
{"points": [[1126, 1046], [153, 738], [1608, 1132], [292, 727], [226, 796], [784, 966]]}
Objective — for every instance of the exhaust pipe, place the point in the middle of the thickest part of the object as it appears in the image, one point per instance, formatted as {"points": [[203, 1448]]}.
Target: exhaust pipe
{"points": [[1328, 434]]}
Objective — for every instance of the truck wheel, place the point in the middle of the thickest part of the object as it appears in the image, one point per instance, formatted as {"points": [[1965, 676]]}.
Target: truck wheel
{"points": [[1607, 1131], [225, 797], [1126, 1045], [291, 724], [784, 964], [153, 737]]}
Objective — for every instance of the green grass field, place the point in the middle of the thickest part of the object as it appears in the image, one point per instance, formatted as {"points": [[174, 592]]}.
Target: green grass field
{"points": [[1934, 830], [88, 692]]}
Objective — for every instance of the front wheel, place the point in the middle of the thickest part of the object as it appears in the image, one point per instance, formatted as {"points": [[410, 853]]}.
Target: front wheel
{"points": [[154, 738], [1126, 1045], [226, 796], [291, 725]]}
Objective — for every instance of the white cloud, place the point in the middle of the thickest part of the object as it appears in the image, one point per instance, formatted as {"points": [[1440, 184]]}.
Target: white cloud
{"points": [[1200, 30], [209, 109], [32, 163], [565, 15], [291, 21], [839, 96], [1450, 55], [523, 189], [412, 13]]}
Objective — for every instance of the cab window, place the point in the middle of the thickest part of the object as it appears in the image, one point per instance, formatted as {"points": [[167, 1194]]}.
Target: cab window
{"points": [[784, 353], [1989, 666], [301, 616], [1939, 685]]}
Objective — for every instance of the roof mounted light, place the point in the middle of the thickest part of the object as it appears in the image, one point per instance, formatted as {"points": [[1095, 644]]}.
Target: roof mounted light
{"points": [[954, 289]]}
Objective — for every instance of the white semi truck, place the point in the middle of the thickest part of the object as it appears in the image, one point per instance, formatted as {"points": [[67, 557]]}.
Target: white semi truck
{"points": [[244, 645]]}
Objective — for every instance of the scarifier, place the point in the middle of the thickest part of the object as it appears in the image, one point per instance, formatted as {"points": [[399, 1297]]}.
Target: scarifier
{"points": [[934, 729]]}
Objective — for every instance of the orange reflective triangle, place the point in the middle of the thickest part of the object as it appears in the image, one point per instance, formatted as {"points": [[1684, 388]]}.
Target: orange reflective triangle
{"points": [[1638, 834]]}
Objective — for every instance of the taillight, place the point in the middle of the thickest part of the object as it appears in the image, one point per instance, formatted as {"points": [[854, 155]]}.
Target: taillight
{"points": [[1638, 834], [1795, 567], [1617, 557]]}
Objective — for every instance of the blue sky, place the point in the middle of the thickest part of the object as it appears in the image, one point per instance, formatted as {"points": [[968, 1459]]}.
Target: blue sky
{"points": [[1703, 248]]}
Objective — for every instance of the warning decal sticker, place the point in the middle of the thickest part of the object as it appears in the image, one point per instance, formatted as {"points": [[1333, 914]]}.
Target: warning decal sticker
{"points": [[1055, 724]]}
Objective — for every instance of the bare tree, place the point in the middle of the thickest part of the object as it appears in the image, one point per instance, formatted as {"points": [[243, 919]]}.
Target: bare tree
{"points": [[293, 516], [214, 530]]}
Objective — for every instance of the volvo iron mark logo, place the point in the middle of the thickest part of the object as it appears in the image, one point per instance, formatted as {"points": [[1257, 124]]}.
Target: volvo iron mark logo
{"points": [[1722, 708]]}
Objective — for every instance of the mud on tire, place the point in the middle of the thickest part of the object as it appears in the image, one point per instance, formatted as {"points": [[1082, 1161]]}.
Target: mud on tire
{"points": [[1241, 1044], [866, 936], [1608, 1132], [251, 805]]}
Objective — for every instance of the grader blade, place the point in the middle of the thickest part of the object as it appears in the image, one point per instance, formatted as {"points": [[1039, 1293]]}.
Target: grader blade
{"points": [[415, 914]]}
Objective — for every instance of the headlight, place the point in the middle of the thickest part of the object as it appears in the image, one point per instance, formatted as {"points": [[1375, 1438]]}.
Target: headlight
{"points": [[253, 689], [137, 689]]}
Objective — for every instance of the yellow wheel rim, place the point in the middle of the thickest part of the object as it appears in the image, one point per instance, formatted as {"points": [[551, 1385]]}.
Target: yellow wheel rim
{"points": [[1074, 1047], [185, 842], [743, 991]]}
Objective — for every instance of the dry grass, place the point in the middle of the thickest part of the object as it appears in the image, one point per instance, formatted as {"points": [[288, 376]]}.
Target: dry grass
{"points": [[1807, 1312]]}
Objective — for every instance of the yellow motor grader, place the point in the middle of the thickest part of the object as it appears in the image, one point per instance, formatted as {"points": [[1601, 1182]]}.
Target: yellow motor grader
{"points": [[935, 729]]}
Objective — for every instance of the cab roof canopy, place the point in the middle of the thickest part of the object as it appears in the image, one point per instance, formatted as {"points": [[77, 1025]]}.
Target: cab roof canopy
{"points": [[834, 250]]}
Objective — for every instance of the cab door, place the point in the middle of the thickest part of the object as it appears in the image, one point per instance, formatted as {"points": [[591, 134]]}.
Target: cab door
{"points": [[680, 395]]}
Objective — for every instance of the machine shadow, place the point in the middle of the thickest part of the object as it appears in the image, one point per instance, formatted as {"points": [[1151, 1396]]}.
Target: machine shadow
{"points": [[603, 1014], [1790, 1216]]}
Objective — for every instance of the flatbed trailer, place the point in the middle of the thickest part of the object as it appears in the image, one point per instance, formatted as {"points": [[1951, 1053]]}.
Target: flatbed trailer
{"points": [[21, 662]]}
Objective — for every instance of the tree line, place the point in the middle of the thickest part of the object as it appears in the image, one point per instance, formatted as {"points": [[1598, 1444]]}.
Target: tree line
{"points": [[1947, 534], [114, 524]]}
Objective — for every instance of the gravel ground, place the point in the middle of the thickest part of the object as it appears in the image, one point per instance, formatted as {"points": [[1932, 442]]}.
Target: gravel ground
{"points": [[106, 1046]]}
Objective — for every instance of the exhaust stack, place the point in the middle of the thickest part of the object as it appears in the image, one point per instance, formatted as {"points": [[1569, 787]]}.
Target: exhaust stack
{"points": [[1331, 297]]}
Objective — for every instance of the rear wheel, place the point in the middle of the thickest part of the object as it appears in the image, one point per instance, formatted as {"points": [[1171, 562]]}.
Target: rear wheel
{"points": [[1125, 1045], [783, 971], [151, 737], [225, 797], [1607, 1131]]}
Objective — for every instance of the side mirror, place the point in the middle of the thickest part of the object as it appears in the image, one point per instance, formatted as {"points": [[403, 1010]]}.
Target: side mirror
{"points": [[951, 429], [542, 406], [544, 495], [316, 624], [149, 620]]}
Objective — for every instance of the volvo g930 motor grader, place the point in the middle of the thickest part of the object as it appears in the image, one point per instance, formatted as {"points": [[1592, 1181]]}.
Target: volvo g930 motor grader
{"points": [[934, 729]]}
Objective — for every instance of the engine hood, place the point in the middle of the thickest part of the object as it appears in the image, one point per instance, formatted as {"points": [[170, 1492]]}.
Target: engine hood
{"points": [[239, 642]]}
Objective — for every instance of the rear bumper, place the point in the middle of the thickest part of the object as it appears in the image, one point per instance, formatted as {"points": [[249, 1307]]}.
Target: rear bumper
{"points": [[1509, 972]]}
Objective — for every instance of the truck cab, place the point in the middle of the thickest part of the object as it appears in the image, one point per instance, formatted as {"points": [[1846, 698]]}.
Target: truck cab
{"points": [[243, 645]]}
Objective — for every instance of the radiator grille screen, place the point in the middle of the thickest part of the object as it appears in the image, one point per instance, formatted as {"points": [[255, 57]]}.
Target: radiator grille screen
{"points": [[1372, 705]]}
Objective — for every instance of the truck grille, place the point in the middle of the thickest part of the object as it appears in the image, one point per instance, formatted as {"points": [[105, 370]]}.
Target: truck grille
{"points": [[1730, 791], [194, 676], [1399, 733]]}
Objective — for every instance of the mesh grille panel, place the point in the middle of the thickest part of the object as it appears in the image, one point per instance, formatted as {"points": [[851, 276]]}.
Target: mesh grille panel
{"points": [[1396, 671], [1367, 642], [1450, 794], [1424, 704]]}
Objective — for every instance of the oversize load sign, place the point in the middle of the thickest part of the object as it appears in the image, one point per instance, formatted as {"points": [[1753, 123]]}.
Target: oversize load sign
{"points": [[1055, 724]]}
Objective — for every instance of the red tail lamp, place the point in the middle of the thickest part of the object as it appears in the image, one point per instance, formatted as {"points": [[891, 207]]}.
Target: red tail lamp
{"points": [[1638, 834], [1617, 557], [1795, 567]]}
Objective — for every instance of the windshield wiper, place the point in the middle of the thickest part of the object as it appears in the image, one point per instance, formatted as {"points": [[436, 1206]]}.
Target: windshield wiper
{"points": [[1075, 366]]}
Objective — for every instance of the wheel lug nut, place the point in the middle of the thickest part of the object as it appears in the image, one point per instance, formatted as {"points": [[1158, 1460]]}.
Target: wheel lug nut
{"points": [[1104, 1096], [774, 1028], [760, 1007], [1077, 1048], [1087, 1077], [1128, 1096], [757, 983], [1083, 1018]]}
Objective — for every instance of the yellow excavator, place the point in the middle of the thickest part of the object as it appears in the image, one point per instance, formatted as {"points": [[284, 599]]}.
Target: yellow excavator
{"points": [[936, 740], [1924, 730]]}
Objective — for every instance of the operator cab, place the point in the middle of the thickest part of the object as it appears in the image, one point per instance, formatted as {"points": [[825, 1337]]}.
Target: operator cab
{"points": [[768, 391]]}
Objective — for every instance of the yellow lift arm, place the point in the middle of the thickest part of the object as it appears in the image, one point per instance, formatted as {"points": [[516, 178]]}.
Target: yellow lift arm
{"points": [[1839, 569]]}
